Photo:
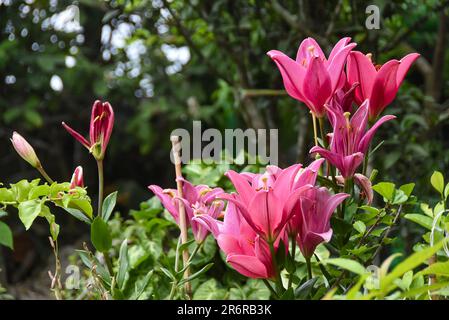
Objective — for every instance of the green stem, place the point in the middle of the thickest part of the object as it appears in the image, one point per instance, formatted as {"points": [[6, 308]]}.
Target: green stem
{"points": [[100, 186], [172, 291], [108, 262], [309, 269], [273, 292], [279, 286], [44, 174], [346, 189], [195, 251], [290, 280], [323, 137]]}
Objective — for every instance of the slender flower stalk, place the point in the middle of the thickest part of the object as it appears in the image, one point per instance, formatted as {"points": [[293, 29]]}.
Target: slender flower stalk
{"points": [[309, 268], [176, 148], [100, 186]]}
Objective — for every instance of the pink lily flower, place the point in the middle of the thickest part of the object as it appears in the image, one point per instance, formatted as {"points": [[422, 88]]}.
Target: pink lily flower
{"points": [[198, 200], [306, 176], [266, 201], [350, 139], [316, 208], [379, 84], [312, 78], [246, 251], [101, 124], [77, 178]]}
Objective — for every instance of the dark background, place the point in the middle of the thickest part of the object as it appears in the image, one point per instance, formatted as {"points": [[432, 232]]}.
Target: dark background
{"points": [[163, 64]]}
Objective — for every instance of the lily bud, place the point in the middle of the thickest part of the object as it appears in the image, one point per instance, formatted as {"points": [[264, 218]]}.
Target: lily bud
{"points": [[101, 124], [77, 178], [25, 150]]}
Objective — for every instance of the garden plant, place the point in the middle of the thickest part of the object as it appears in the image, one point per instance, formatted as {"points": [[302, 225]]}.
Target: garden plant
{"points": [[312, 230]]}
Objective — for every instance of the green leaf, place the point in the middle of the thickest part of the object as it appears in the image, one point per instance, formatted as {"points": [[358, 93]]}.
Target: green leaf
{"points": [[446, 191], [139, 290], [409, 264], [209, 290], [84, 205], [437, 181], [347, 264], [303, 291], [100, 235], [407, 188], [196, 274], [108, 206], [78, 214], [6, 235], [420, 219], [28, 211], [123, 264], [168, 273], [438, 268], [385, 189], [359, 226]]}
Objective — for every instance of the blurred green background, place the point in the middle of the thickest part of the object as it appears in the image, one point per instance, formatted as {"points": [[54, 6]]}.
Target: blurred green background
{"points": [[163, 63]]}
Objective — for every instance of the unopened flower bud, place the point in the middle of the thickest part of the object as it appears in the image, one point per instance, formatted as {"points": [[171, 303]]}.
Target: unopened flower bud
{"points": [[77, 178], [25, 150]]}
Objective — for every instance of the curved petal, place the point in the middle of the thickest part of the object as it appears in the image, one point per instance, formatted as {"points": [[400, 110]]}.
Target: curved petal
{"points": [[308, 49], [241, 185], [317, 86], [311, 240], [77, 136], [334, 158], [337, 64], [384, 88], [244, 212], [211, 224], [404, 66], [351, 163], [338, 47], [166, 200], [292, 73], [248, 266], [360, 69], [366, 140], [284, 181]]}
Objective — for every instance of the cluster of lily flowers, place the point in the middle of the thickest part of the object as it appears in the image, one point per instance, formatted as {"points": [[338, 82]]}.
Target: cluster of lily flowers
{"points": [[270, 208]]}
